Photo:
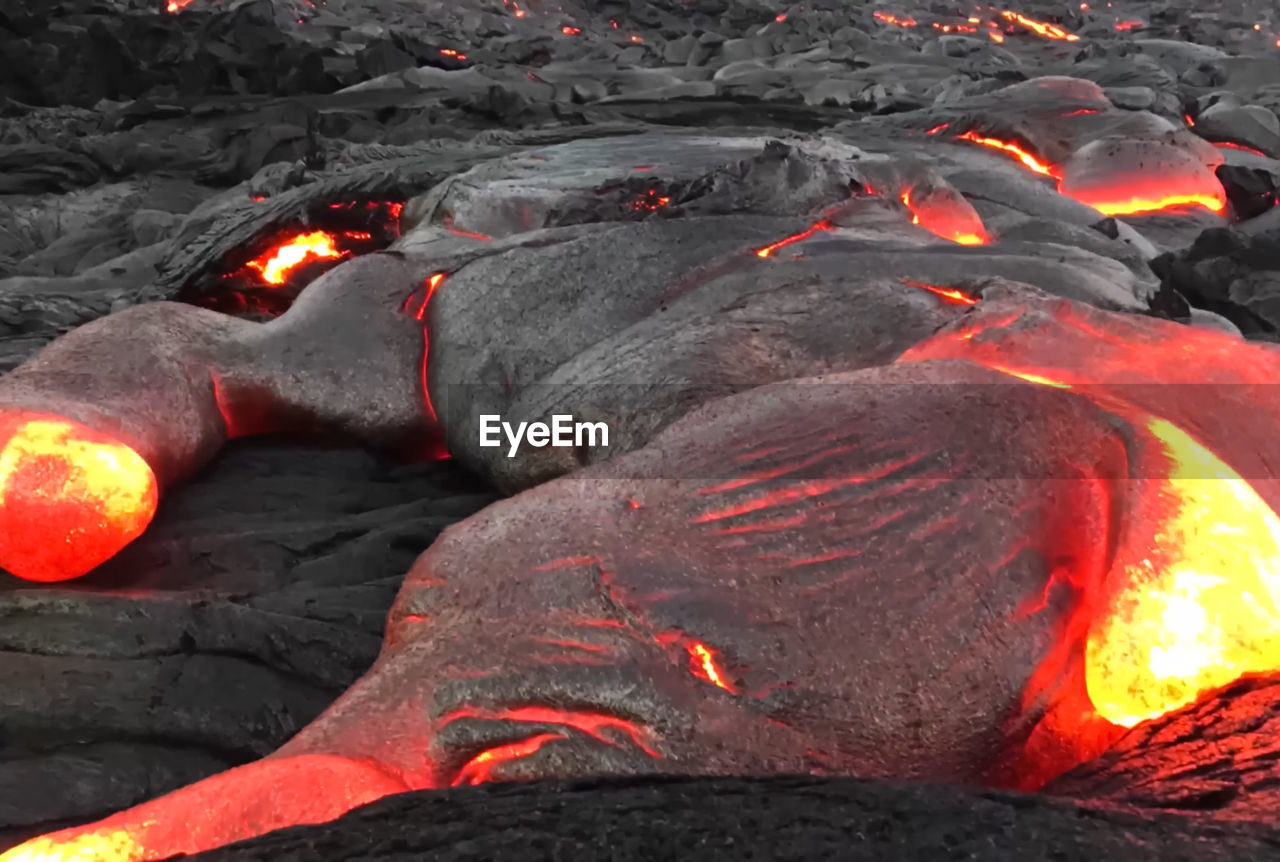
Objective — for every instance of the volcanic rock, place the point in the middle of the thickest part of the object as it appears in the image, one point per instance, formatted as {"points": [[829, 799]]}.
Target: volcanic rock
{"points": [[731, 229], [734, 818]]}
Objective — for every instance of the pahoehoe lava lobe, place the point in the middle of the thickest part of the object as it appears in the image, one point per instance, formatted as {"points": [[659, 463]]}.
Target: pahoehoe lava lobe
{"points": [[930, 343]]}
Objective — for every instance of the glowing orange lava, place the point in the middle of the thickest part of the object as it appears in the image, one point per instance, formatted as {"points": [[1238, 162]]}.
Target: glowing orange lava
{"points": [[1201, 607], [887, 18], [952, 295], [275, 265], [1231, 145], [1013, 149], [418, 309], [1040, 28], [479, 769], [70, 498], [768, 250], [1140, 204], [1191, 601], [703, 663], [948, 217], [1141, 196], [593, 724]]}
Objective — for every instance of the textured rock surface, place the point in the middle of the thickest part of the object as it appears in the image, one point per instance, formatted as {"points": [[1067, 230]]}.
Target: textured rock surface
{"points": [[594, 183], [770, 818], [1217, 756], [258, 595]]}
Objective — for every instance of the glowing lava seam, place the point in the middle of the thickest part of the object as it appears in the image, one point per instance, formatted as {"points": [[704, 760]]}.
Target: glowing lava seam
{"points": [[1123, 204]]}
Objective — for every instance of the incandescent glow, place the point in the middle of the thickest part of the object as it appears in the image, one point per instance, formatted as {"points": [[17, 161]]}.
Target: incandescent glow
{"points": [[275, 265], [599, 726], [479, 769], [70, 498], [1040, 28], [1135, 196], [946, 216], [1139, 204], [951, 295], [105, 846], [1013, 149], [1203, 608], [768, 250], [1231, 145], [703, 663], [888, 18]]}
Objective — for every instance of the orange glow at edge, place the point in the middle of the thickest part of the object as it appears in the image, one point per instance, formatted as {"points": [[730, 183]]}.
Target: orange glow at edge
{"points": [[479, 769], [1013, 149], [1203, 608], [1195, 601], [1120, 202]]}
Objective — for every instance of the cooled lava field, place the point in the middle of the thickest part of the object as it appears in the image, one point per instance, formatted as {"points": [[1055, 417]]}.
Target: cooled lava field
{"points": [[639, 429]]}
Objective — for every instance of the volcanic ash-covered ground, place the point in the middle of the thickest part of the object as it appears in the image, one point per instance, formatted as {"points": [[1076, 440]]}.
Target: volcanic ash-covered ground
{"points": [[921, 496]]}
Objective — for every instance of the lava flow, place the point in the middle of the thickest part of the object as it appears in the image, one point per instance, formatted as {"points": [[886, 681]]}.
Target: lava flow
{"points": [[1167, 190], [1201, 608], [70, 497], [1192, 599]]}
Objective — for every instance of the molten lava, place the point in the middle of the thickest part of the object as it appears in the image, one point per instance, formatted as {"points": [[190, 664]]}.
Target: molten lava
{"points": [[415, 304], [1231, 145], [1040, 28], [70, 497], [1140, 204], [1202, 608], [768, 250], [951, 295], [593, 724], [703, 664], [1191, 601], [1134, 196], [115, 845], [1013, 149], [479, 769], [948, 216], [275, 265], [888, 18]]}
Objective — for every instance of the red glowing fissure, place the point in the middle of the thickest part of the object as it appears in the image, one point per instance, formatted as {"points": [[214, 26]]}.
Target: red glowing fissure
{"points": [[593, 724], [703, 664], [1121, 200], [479, 769], [951, 295], [768, 250]]}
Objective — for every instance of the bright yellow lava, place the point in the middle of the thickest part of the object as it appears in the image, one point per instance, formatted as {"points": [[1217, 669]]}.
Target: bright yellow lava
{"points": [[276, 265], [1204, 608], [111, 474], [70, 498], [113, 846]]}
